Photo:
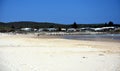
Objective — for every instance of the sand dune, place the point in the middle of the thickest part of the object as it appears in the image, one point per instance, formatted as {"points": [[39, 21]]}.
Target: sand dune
{"points": [[30, 53]]}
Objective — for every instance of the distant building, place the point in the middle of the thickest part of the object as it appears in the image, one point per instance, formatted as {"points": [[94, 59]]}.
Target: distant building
{"points": [[40, 30], [98, 29], [34, 30], [71, 30], [51, 29], [26, 29], [63, 29], [86, 29], [104, 29]]}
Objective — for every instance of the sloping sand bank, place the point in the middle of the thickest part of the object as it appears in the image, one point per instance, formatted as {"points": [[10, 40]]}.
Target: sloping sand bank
{"points": [[26, 53]]}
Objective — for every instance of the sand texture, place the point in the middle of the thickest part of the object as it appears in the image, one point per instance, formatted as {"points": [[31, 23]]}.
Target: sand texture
{"points": [[31, 53]]}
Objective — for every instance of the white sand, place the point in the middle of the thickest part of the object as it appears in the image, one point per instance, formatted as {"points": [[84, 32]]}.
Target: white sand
{"points": [[22, 53]]}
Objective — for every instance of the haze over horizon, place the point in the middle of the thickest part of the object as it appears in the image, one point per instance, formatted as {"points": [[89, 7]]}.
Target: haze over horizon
{"points": [[60, 11]]}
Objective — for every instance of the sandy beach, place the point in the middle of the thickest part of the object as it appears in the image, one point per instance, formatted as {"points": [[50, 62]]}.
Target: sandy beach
{"points": [[31, 53]]}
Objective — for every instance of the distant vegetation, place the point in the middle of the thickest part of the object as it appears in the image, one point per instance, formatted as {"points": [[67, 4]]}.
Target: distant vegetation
{"points": [[11, 26]]}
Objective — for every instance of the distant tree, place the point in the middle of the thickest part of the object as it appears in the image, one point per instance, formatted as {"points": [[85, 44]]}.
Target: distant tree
{"points": [[74, 25], [106, 24], [13, 27], [59, 29], [51, 26], [36, 27], [20, 27], [110, 23]]}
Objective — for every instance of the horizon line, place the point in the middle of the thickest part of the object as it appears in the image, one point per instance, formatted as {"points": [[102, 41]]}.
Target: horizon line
{"points": [[59, 23]]}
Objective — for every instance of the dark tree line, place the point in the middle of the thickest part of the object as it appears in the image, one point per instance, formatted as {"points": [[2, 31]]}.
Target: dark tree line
{"points": [[17, 25], [110, 23]]}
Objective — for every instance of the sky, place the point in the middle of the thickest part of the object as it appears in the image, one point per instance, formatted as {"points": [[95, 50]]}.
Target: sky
{"points": [[60, 11]]}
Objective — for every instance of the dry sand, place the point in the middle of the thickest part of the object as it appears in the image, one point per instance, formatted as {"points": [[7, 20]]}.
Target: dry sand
{"points": [[30, 53]]}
